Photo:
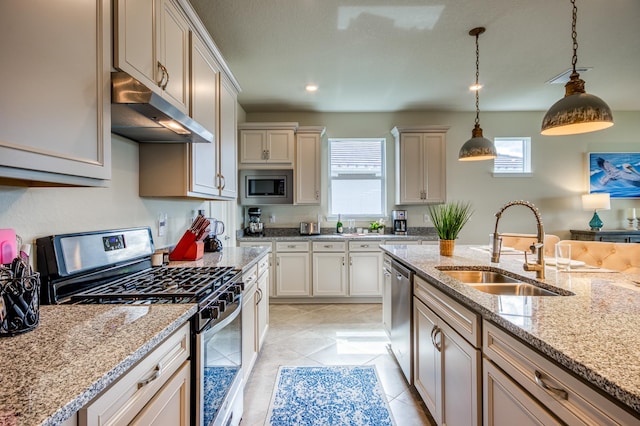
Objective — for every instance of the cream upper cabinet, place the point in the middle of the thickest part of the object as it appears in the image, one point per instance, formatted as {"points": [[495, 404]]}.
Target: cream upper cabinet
{"points": [[420, 164], [267, 145], [308, 163], [198, 170], [55, 124], [151, 43]]}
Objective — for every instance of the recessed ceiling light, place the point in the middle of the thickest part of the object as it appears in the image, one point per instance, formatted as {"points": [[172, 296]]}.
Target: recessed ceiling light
{"points": [[311, 87]]}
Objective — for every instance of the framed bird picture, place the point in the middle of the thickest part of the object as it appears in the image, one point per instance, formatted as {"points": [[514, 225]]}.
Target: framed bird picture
{"points": [[617, 173]]}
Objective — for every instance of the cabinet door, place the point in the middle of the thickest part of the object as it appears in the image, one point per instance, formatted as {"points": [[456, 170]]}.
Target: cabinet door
{"points": [[263, 308], [228, 164], [171, 405], [204, 98], [253, 146], [434, 160], [249, 340], [173, 54], [307, 169], [386, 296], [365, 274], [461, 379], [505, 403], [280, 146], [410, 181], [292, 275], [329, 274], [427, 359], [134, 42], [55, 104]]}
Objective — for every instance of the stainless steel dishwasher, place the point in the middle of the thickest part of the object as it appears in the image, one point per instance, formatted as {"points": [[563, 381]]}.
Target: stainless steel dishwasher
{"points": [[401, 303]]}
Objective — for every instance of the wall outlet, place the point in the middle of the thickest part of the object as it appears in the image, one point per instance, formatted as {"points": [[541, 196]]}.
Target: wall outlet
{"points": [[426, 218], [272, 219]]}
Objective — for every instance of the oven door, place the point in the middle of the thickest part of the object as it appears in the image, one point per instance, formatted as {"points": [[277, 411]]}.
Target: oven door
{"points": [[218, 369]]}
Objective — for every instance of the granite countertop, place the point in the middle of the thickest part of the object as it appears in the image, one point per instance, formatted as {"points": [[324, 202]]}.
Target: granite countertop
{"points": [[593, 333], [289, 234], [75, 352], [239, 257]]}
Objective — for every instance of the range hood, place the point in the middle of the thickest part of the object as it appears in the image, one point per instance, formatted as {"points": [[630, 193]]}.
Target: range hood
{"points": [[141, 115]]}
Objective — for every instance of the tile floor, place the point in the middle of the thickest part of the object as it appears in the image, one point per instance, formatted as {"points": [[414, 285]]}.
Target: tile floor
{"points": [[329, 334]]}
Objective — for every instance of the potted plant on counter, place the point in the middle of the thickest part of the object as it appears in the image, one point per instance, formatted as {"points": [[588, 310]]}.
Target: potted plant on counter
{"points": [[377, 226], [448, 219]]}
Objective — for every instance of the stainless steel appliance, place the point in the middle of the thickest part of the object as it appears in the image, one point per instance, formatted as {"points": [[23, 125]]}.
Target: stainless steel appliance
{"points": [[114, 267], [401, 309], [309, 228], [399, 218], [255, 227], [211, 242], [264, 187]]}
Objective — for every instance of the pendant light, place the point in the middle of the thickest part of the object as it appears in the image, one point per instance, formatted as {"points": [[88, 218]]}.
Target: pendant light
{"points": [[578, 112], [478, 147]]}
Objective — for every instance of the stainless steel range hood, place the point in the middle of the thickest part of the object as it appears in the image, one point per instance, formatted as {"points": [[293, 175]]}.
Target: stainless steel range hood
{"points": [[142, 115]]}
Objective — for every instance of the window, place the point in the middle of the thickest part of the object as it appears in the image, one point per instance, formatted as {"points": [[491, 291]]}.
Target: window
{"points": [[356, 177], [514, 157]]}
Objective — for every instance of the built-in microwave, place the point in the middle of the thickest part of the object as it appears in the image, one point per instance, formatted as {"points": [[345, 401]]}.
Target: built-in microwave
{"points": [[260, 187]]}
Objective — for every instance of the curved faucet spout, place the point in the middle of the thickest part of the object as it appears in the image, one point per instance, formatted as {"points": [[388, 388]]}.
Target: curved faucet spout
{"points": [[538, 247]]}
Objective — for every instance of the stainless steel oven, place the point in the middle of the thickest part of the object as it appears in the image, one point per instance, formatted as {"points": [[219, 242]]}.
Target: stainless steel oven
{"points": [[114, 266], [263, 187]]}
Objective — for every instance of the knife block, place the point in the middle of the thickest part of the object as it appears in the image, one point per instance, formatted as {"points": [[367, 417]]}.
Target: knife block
{"points": [[194, 252], [187, 248]]}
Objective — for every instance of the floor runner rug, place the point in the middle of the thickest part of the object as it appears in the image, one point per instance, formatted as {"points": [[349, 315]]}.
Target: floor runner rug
{"points": [[328, 396]]}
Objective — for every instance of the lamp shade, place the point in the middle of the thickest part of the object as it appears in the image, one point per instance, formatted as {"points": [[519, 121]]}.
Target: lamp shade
{"points": [[477, 148], [577, 113], [598, 201]]}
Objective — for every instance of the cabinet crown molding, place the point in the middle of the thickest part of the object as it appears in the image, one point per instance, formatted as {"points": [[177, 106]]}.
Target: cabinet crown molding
{"points": [[268, 126], [418, 129], [312, 129]]}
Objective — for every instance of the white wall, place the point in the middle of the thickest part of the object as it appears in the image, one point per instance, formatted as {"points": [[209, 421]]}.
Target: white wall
{"points": [[559, 168]]}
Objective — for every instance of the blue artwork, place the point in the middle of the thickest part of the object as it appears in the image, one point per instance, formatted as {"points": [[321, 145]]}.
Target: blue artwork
{"points": [[335, 395], [617, 173]]}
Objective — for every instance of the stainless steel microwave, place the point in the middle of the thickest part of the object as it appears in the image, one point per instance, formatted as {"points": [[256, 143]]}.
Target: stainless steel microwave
{"points": [[262, 187]]}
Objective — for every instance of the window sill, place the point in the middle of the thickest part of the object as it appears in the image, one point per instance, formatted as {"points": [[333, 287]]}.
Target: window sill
{"points": [[510, 175]]}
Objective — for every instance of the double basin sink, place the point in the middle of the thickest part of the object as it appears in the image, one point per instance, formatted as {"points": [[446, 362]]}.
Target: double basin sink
{"points": [[493, 281]]}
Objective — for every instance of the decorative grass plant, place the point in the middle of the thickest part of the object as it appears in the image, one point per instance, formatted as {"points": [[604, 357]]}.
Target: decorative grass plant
{"points": [[449, 219]]}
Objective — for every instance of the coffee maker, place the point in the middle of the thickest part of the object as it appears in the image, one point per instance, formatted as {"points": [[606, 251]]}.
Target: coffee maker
{"points": [[399, 218], [255, 227]]}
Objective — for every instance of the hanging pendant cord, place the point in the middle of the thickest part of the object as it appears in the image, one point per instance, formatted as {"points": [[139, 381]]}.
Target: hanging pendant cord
{"points": [[477, 81], [574, 35]]}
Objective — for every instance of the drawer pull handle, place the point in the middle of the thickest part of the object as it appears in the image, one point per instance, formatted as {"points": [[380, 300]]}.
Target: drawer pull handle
{"points": [[155, 375], [556, 391]]}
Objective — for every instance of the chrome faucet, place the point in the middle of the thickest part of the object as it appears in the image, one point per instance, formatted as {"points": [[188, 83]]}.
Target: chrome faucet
{"points": [[538, 247]]}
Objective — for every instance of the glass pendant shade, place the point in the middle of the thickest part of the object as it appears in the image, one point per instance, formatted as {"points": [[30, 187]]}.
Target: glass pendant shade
{"points": [[477, 148], [578, 112]]}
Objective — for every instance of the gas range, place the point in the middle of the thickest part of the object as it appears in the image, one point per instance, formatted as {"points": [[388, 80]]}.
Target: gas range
{"points": [[114, 267]]}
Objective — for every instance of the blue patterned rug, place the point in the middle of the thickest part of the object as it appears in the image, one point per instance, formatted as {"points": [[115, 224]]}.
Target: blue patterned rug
{"points": [[340, 395]]}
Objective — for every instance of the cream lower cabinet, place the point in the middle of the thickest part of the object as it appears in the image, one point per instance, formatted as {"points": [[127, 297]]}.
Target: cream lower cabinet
{"points": [[387, 282], [155, 391], [446, 365], [329, 269], [535, 390], [293, 269], [365, 268], [420, 164], [55, 124], [262, 300], [249, 342], [270, 259]]}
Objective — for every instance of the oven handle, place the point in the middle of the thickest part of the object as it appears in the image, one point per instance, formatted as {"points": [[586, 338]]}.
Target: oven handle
{"points": [[230, 313]]}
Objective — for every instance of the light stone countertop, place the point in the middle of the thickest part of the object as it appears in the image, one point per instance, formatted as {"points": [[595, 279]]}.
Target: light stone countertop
{"points": [[594, 333], [74, 353]]}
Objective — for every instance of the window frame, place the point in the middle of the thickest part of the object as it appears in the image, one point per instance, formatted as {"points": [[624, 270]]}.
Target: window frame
{"points": [[525, 142], [382, 178]]}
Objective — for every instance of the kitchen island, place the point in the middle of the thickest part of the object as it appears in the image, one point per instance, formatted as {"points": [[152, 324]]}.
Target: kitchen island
{"points": [[593, 334]]}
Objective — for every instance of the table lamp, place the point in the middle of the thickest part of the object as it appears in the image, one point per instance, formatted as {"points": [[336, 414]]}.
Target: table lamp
{"points": [[595, 202]]}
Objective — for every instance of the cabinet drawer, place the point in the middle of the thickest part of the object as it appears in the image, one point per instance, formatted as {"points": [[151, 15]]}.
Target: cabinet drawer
{"points": [[373, 245], [566, 396], [250, 277], [255, 244], [125, 398], [292, 246], [263, 265], [463, 320], [329, 246]]}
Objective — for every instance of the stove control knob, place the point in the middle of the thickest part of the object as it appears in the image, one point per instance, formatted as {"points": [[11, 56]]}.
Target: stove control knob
{"points": [[211, 312], [237, 289], [222, 304], [230, 295]]}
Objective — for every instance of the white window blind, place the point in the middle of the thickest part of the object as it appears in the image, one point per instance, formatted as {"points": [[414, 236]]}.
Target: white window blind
{"points": [[514, 156], [356, 177]]}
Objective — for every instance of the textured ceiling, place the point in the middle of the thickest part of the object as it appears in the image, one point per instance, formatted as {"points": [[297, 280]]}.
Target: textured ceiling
{"points": [[417, 55]]}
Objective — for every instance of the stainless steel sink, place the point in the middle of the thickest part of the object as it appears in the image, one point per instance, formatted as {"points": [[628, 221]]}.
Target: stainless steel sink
{"points": [[497, 283]]}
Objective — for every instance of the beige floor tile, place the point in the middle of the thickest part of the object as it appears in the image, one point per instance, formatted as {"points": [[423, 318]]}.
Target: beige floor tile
{"points": [[329, 334]]}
